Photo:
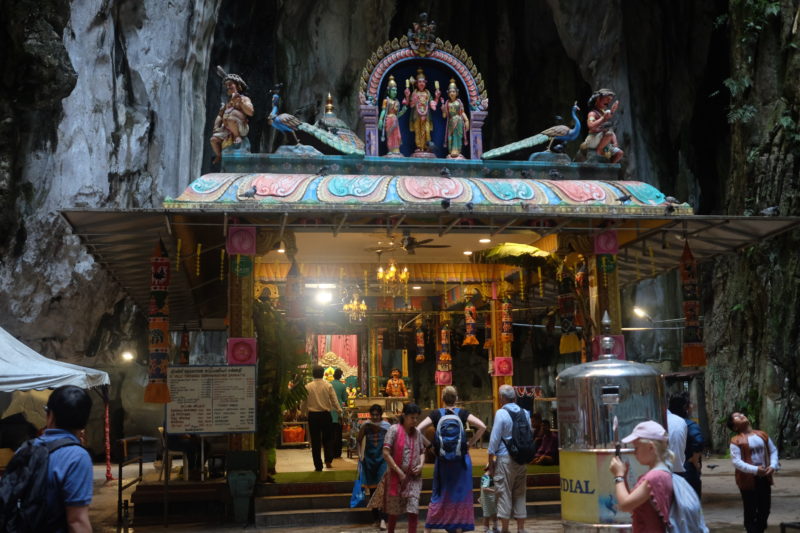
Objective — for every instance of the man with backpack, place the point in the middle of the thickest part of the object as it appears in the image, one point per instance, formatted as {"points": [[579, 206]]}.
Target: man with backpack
{"points": [[48, 484], [510, 451]]}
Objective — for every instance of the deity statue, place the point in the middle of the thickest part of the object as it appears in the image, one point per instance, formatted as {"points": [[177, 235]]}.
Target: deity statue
{"points": [[420, 101], [457, 122], [231, 122], [396, 387], [601, 137], [389, 122]]}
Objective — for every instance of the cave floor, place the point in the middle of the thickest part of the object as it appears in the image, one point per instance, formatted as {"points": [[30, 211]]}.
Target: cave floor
{"points": [[721, 500]]}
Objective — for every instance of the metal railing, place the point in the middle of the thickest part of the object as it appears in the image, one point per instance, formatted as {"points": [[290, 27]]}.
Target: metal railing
{"points": [[122, 506]]}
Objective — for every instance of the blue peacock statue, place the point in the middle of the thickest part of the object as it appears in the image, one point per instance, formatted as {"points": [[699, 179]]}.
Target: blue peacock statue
{"points": [[283, 122], [559, 133]]}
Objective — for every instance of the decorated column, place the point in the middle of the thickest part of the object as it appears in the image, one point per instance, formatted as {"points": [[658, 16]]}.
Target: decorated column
{"points": [[604, 288], [157, 390], [241, 248], [476, 133], [369, 114]]}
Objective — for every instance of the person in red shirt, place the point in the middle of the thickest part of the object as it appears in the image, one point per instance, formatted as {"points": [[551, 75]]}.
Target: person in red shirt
{"points": [[547, 446]]}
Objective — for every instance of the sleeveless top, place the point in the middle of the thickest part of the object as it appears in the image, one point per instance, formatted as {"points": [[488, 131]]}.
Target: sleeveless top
{"points": [[652, 516]]}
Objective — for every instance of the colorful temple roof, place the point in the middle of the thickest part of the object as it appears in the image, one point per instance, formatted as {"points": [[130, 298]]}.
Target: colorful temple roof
{"points": [[413, 193], [412, 185]]}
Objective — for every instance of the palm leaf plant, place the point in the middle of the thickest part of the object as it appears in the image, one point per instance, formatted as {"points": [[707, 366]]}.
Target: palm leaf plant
{"points": [[282, 368]]}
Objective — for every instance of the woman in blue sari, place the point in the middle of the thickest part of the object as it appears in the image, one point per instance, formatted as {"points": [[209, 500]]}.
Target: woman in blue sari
{"points": [[451, 506], [370, 446]]}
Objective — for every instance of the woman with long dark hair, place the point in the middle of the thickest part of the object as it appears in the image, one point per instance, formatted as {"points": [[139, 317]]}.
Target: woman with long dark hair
{"points": [[403, 451]]}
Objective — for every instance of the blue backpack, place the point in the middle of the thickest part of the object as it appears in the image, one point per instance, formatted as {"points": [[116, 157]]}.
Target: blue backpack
{"points": [[686, 513], [450, 440]]}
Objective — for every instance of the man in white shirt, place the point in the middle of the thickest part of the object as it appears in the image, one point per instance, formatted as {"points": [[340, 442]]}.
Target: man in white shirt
{"points": [[317, 407], [510, 478], [755, 458], [677, 440]]}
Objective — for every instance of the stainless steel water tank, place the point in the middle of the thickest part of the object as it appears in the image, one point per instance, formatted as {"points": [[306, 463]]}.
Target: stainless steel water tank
{"points": [[590, 396]]}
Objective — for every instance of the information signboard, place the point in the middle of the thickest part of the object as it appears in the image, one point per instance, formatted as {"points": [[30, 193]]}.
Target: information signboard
{"points": [[212, 399]]}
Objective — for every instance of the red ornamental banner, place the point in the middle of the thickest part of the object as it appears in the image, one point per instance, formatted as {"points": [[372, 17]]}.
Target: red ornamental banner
{"points": [[503, 366], [693, 351], [157, 390], [470, 317], [444, 378]]}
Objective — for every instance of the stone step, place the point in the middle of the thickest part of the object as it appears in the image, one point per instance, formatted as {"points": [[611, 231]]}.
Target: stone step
{"points": [[346, 487], [342, 500], [362, 516]]}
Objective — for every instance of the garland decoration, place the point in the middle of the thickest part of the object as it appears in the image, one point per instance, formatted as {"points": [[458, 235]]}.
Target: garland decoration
{"points": [[184, 347], [507, 332], [197, 259], [420, 337], [470, 318], [444, 364]]}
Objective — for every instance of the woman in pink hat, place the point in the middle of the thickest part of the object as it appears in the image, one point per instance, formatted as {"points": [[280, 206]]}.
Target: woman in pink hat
{"points": [[651, 497]]}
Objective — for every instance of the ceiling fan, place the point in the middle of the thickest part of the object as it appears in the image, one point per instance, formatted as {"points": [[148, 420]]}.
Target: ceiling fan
{"points": [[410, 244], [407, 243]]}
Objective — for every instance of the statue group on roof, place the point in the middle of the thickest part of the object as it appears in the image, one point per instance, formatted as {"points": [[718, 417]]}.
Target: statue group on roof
{"points": [[426, 134]]}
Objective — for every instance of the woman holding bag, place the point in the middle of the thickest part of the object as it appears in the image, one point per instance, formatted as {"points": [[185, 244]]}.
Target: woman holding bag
{"points": [[403, 451]]}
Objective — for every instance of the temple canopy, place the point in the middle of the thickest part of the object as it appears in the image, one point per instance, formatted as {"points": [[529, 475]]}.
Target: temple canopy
{"points": [[336, 216]]}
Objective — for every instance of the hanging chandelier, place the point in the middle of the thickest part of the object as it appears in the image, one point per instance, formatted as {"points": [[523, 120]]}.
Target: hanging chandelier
{"points": [[392, 279], [355, 310]]}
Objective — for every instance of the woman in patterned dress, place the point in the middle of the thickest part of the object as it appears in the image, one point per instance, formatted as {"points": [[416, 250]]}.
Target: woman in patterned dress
{"points": [[403, 451]]}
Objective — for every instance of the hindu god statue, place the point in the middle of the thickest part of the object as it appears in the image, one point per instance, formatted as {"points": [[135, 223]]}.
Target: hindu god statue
{"points": [[457, 122], [601, 137], [421, 102], [389, 123]]}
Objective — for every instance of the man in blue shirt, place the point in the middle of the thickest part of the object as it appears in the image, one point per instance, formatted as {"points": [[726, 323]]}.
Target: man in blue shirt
{"points": [[510, 478], [69, 482]]}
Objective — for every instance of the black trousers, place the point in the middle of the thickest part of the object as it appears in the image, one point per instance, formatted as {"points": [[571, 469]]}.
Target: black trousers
{"points": [[337, 439], [321, 429], [692, 475], [756, 504]]}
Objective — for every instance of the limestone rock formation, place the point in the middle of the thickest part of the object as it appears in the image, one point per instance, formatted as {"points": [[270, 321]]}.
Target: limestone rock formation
{"points": [[103, 104]]}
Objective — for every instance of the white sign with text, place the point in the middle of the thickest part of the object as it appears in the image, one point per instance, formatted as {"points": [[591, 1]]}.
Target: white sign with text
{"points": [[212, 399]]}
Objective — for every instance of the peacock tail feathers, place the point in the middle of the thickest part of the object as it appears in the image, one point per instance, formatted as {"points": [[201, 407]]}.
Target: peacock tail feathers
{"points": [[529, 142]]}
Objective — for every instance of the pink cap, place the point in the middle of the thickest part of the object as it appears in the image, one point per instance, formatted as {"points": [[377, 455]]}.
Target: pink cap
{"points": [[647, 430]]}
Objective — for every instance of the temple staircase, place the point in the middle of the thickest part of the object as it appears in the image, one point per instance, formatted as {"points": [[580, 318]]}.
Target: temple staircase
{"points": [[328, 503]]}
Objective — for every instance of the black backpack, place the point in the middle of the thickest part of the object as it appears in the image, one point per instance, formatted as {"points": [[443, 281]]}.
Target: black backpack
{"points": [[520, 446], [23, 488]]}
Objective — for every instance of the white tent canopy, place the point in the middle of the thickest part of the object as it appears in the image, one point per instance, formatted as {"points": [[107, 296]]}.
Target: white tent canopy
{"points": [[22, 368]]}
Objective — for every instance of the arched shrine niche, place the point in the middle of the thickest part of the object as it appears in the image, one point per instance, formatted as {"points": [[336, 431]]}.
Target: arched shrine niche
{"points": [[440, 62]]}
